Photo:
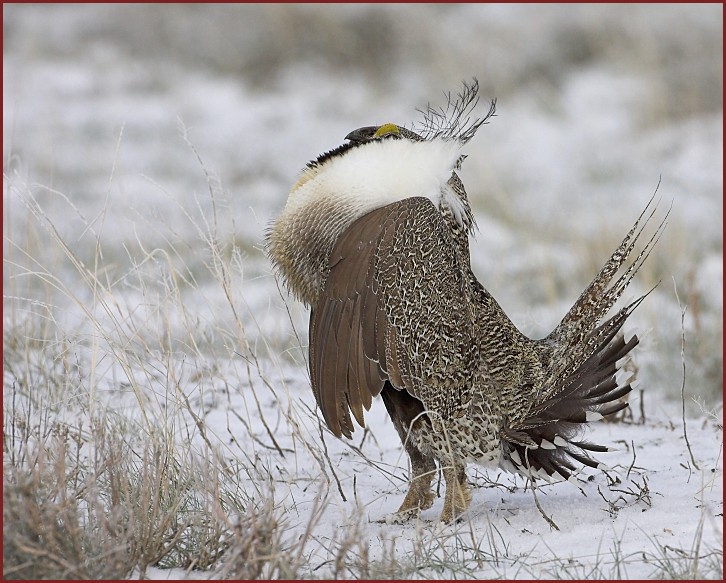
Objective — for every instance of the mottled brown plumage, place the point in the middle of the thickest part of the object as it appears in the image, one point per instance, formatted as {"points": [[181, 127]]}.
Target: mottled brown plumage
{"points": [[374, 238]]}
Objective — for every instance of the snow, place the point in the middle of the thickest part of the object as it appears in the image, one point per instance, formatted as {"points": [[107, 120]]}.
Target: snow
{"points": [[651, 498], [614, 524], [120, 120]]}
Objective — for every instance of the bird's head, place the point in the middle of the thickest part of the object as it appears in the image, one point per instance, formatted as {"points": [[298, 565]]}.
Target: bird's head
{"points": [[452, 123], [374, 167], [386, 131]]}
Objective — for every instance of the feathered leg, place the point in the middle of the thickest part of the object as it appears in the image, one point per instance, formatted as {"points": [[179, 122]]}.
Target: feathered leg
{"points": [[420, 496], [403, 410], [458, 494]]}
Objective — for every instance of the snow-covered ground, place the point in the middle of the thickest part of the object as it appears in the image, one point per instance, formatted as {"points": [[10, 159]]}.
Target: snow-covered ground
{"points": [[151, 145], [652, 508]]}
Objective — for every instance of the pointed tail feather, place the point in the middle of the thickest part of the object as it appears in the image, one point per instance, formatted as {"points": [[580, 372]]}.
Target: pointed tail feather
{"points": [[545, 444], [583, 377], [579, 334], [600, 296]]}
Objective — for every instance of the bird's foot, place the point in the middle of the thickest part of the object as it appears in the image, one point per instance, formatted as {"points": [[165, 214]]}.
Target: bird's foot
{"points": [[419, 497], [458, 497], [400, 517]]}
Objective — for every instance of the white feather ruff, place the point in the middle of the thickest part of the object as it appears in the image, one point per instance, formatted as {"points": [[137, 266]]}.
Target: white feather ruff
{"points": [[373, 175]]}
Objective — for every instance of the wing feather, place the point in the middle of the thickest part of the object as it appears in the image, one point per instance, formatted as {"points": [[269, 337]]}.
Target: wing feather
{"points": [[372, 322]]}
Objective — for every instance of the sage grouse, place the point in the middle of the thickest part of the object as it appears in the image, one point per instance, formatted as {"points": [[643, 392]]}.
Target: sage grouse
{"points": [[374, 238]]}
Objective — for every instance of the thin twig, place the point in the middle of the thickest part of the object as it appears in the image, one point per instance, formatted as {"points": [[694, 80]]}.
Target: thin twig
{"points": [[330, 464], [257, 439], [627, 476], [683, 382], [552, 523], [197, 420], [642, 408], [270, 434]]}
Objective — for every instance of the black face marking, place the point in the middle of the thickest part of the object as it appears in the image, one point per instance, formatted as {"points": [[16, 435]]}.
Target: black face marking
{"points": [[364, 134]]}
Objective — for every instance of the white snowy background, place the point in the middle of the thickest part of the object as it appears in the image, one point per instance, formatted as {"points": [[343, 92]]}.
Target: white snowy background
{"points": [[147, 147]]}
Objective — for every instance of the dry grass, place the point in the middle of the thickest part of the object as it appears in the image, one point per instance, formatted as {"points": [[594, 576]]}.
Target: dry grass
{"points": [[152, 419], [83, 503], [108, 466], [111, 465]]}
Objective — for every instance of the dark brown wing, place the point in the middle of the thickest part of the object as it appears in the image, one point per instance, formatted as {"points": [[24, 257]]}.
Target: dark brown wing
{"points": [[396, 306]]}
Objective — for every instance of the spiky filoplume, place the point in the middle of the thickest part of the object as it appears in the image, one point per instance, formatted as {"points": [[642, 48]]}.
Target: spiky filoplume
{"points": [[375, 239]]}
